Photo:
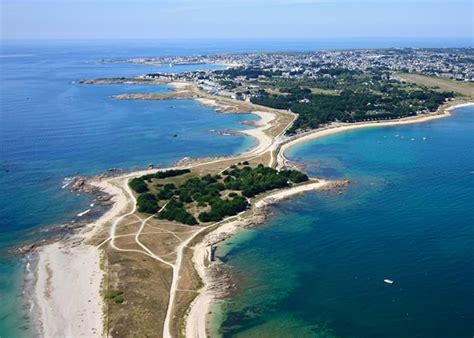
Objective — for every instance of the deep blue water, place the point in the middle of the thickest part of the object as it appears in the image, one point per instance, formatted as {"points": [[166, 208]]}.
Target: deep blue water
{"points": [[124, 49], [317, 267]]}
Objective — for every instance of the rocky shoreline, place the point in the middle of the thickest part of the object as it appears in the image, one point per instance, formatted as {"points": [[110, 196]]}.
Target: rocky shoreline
{"points": [[216, 276], [101, 202]]}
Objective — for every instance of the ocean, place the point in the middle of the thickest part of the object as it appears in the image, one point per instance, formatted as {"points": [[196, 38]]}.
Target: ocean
{"points": [[317, 267], [52, 128]]}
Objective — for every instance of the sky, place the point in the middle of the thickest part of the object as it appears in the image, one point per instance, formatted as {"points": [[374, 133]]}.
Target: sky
{"points": [[241, 19]]}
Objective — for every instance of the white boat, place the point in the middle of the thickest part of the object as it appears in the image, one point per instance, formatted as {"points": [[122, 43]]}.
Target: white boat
{"points": [[388, 281]]}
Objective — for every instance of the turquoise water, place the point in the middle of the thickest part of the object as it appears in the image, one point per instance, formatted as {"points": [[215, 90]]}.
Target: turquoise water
{"points": [[316, 269], [52, 128]]}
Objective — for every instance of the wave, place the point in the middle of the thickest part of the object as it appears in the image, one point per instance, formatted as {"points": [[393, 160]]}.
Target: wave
{"points": [[16, 55]]}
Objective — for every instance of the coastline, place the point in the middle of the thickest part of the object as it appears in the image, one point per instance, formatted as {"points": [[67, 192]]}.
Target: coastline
{"points": [[198, 315], [78, 311], [68, 289], [443, 111], [63, 310]]}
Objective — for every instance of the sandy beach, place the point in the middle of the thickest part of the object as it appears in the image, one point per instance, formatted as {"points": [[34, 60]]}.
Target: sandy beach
{"points": [[179, 85], [218, 106], [264, 141], [343, 127], [69, 275], [68, 290]]}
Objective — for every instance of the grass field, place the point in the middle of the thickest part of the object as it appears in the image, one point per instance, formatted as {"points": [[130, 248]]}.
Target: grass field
{"points": [[463, 88]]}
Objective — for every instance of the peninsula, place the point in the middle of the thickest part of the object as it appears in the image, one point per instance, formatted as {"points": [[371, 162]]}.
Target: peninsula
{"points": [[147, 266]]}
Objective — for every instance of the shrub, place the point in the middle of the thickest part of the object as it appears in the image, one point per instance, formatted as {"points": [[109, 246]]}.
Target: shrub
{"points": [[222, 208], [184, 196], [138, 185], [294, 176], [115, 295], [147, 203], [174, 211], [171, 173], [119, 299]]}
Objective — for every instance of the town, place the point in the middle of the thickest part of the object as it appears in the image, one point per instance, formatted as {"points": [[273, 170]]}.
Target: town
{"points": [[332, 86], [452, 63]]}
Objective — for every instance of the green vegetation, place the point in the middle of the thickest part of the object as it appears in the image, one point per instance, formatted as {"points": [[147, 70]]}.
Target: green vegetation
{"points": [[222, 208], [254, 181], [294, 176], [174, 211], [139, 186], [171, 173], [352, 105], [211, 198], [115, 295], [147, 203], [332, 94]]}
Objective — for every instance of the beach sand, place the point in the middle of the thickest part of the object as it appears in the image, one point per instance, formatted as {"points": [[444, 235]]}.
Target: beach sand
{"points": [[68, 291], [264, 140], [69, 275], [179, 85], [335, 128]]}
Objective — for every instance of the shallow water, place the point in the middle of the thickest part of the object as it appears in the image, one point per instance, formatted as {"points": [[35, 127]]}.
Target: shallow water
{"points": [[317, 267]]}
